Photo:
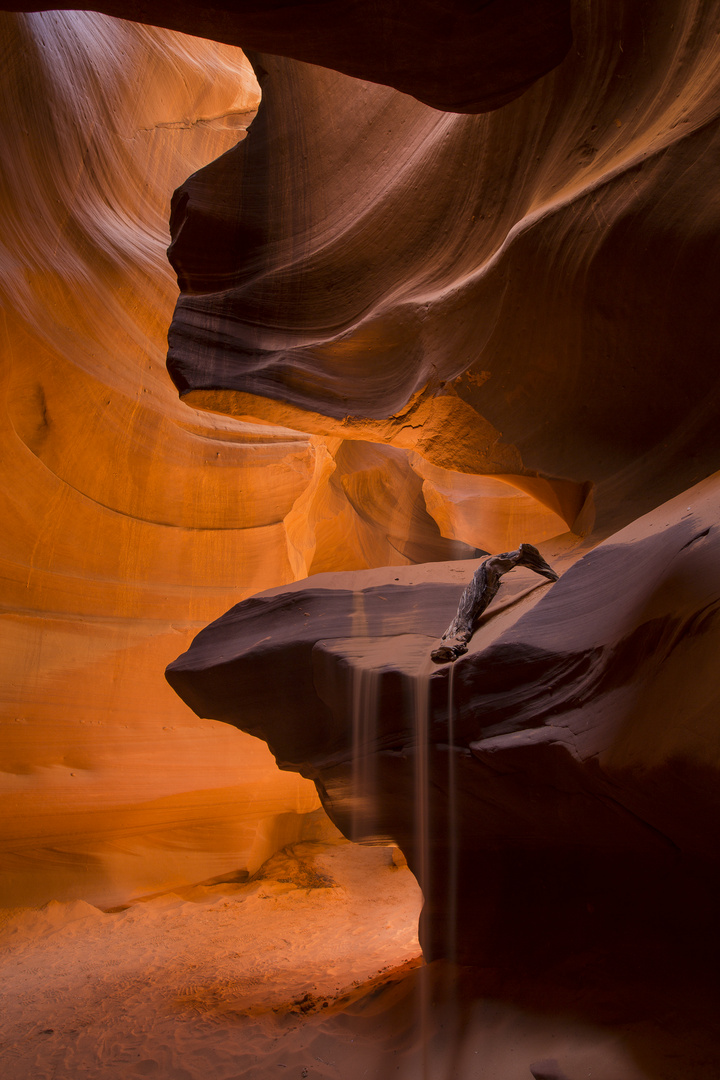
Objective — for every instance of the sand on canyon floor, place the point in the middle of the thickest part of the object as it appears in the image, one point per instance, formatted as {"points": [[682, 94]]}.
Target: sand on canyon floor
{"points": [[309, 971]]}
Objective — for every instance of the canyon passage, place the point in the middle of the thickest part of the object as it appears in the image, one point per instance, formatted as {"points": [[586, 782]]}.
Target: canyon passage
{"points": [[441, 283]]}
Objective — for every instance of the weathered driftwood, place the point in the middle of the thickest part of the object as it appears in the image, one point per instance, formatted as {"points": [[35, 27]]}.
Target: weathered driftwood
{"points": [[478, 594]]}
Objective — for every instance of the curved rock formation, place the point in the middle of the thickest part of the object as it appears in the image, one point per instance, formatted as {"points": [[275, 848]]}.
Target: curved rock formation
{"points": [[520, 293], [555, 787], [123, 531], [132, 520], [452, 55], [519, 297], [430, 333]]}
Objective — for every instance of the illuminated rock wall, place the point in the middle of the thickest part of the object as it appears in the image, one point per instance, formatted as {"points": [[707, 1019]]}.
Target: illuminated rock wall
{"points": [[129, 519], [557, 784], [451, 54], [132, 520], [525, 292], [468, 326], [523, 299]]}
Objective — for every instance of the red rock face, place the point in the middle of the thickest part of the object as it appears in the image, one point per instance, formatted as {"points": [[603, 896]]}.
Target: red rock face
{"points": [[130, 520], [566, 768], [115, 497], [540, 279], [454, 55], [465, 325], [520, 267]]}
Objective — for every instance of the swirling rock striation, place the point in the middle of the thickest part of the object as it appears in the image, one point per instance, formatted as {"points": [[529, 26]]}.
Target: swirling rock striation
{"points": [[451, 54], [524, 292], [132, 520], [569, 762], [516, 306], [123, 528]]}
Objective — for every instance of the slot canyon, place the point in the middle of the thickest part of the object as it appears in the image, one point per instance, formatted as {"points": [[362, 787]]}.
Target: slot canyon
{"points": [[307, 309]]}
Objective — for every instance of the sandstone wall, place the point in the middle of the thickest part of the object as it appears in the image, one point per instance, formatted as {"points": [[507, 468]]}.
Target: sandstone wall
{"points": [[129, 520], [404, 335]]}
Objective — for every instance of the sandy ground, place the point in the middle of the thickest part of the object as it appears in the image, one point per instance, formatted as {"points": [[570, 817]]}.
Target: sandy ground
{"points": [[310, 970]]}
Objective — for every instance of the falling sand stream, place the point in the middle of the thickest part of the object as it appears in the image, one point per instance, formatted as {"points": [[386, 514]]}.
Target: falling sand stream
{"points": [[452, 823], [434, 809], [420, 687], [365, 686]]}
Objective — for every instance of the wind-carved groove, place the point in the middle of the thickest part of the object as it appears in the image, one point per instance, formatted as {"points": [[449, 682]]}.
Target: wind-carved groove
{"points": [[694, 539]]}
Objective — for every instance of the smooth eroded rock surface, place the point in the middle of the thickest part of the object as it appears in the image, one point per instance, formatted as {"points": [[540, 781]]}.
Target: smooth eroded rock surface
{"points": [[527, 292], [131, 520], [451, 54], [123, 531], [571, 756], [431, 334]]}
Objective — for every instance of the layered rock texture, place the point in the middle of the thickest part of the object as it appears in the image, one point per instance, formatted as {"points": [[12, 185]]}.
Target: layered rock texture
{"points": [[128, 518], [132, 520], [521, 300], [520, 293], [453, 55], [558, 784], [454, 292]]}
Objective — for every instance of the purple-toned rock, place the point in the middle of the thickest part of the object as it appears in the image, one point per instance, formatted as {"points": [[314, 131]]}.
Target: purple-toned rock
{"points": [[451, 54], [558, 784]]}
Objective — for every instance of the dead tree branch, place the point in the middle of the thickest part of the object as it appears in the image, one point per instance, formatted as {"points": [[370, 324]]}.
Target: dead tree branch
{"points": [[478, 594]]}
